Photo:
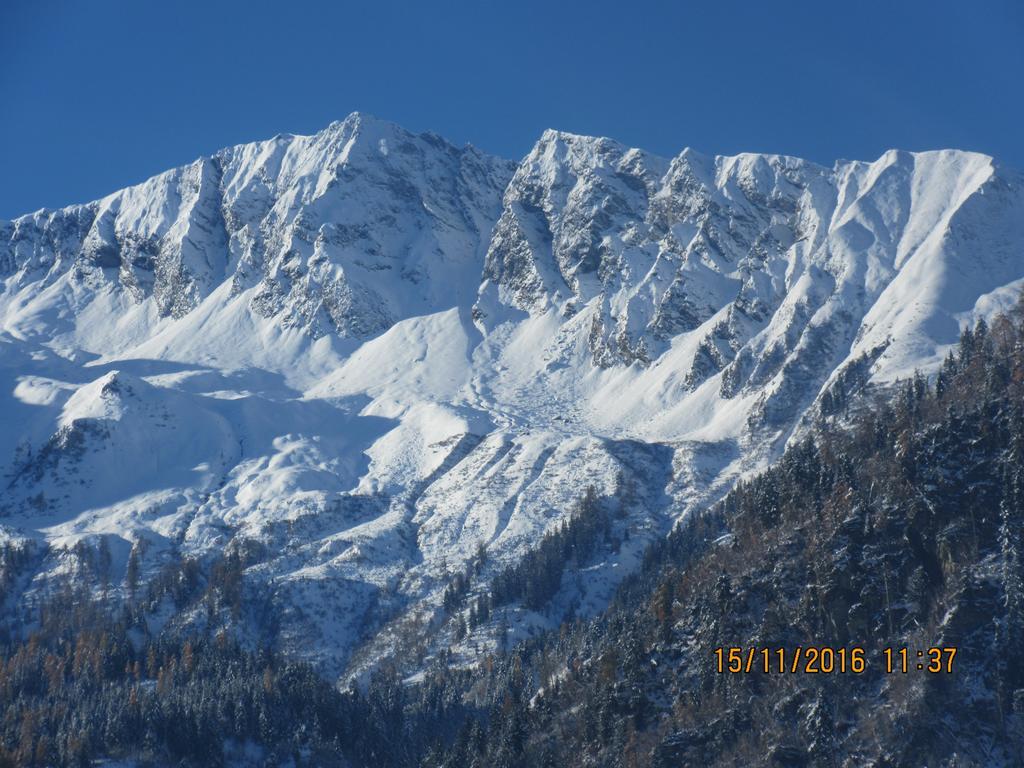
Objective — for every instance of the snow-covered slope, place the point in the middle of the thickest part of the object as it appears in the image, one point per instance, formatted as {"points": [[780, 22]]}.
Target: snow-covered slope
{"points": [[360, 355], [340, 233]]}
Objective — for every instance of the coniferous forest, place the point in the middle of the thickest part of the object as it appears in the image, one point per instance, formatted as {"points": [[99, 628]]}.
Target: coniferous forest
{"points": [[898, 522]]}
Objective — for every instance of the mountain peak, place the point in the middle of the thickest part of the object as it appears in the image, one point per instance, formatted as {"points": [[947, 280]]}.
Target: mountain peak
{"points": [[555, 142], [363, 122]]}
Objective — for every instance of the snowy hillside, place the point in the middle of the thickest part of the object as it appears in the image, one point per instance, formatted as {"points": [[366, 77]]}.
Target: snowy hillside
{"points": [[359, 356]]}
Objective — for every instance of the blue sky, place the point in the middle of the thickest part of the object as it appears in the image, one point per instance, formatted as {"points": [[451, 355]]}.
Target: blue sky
{"points": [[99, 94]]}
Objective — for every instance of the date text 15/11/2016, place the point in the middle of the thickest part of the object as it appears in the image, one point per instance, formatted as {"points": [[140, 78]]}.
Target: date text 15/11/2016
{"points": [[816, 660]]}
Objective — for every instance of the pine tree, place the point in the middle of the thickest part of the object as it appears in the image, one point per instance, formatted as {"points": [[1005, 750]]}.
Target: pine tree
{"points": [[132, 573]]}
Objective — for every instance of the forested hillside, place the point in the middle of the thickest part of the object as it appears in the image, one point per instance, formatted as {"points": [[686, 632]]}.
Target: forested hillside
{"points": [[898, 523]]}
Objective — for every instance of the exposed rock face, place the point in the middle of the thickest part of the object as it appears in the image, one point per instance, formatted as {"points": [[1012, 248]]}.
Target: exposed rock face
{"points": [[657, 249], [342, 232]]}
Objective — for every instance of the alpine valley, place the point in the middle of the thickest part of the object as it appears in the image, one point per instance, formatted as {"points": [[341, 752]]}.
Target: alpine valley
{"points": [[321, 394]]}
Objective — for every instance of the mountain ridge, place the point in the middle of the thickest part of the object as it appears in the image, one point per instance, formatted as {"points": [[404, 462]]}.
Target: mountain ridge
{"points": [[397, 351]]}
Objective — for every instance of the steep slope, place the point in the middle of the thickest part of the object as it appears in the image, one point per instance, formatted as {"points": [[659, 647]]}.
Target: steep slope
{"points": [[747, 278], [367, 360], [898, 526], [343, 232]]}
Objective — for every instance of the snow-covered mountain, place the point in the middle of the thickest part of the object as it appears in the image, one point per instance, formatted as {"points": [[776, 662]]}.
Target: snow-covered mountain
{"points": [[360, 355]]}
